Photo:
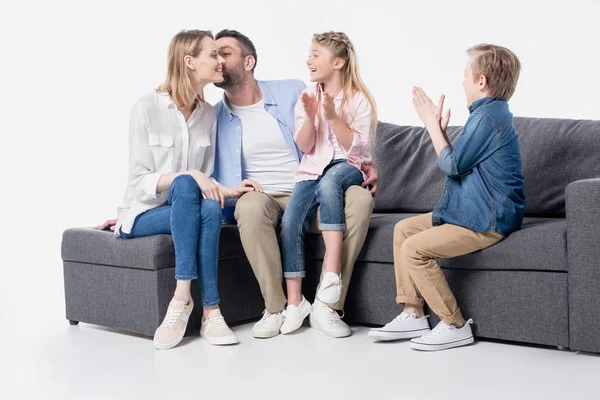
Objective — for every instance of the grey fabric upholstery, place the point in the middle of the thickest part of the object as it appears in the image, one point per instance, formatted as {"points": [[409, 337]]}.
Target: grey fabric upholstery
{"points": [[555, 152], [546, 248], [136, 300], [583, 230], [409, 178], [154, 252]]}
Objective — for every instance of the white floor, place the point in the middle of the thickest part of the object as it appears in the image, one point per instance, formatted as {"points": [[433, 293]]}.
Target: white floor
{"points": [[43, 357], [58, 361]]}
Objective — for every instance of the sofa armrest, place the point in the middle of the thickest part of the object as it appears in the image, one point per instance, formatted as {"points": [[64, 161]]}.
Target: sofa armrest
{"points": [[583, 252]]}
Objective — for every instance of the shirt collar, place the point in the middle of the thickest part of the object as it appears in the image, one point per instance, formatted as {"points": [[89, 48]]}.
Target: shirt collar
{"points": [[267, 97], [166, 100], [479, 103]]}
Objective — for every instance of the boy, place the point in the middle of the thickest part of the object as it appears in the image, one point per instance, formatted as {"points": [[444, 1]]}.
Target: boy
{"points": [[482, 202]]}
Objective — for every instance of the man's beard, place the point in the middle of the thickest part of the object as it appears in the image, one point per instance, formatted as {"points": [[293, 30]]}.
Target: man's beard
{"points": [[232, 79]]}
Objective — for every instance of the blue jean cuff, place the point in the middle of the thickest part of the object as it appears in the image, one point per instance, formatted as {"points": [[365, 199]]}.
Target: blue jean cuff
{"points": [[186, 277], [298, 274], [331, 227], [211, 303]]}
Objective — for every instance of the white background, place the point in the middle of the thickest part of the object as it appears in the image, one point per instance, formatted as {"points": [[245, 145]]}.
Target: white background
{"points": [[70, 71]]}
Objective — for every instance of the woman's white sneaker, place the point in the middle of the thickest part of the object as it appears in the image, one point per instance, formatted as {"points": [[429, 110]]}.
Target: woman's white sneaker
{"points": [[404, 326], [330, 290], [444, 337], [295, 315], [215, 330], [172, 329]]}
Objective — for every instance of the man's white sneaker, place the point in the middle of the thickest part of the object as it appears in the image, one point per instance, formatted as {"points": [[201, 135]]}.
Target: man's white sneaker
{"points": [[327, 320], [268, 326], [444, 337], [294, 316], [330, 290], [216, 331], [404, 326]]}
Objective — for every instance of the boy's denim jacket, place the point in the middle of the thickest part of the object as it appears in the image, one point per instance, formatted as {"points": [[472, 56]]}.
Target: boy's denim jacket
{"points": [[484, 187]]}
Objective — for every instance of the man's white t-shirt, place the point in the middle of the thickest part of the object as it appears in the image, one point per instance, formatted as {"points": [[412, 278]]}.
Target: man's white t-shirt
{"points": [[266, 157]]}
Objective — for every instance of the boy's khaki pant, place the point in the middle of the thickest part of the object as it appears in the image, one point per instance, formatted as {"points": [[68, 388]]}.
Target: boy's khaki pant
{"points": [[258, 216], [418, 277]]}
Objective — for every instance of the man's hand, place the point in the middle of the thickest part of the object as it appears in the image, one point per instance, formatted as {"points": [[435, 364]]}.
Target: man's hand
{"points": [[247, 185], [108, 224], [372, 176]]}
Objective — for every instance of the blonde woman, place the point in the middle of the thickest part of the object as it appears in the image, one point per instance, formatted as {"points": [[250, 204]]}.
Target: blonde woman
{"points": [[334, 119], [171, 155]]}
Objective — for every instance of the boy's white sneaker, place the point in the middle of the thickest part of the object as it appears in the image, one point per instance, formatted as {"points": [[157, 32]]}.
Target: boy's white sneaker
{"points": [[444, 337], [404, 326]]}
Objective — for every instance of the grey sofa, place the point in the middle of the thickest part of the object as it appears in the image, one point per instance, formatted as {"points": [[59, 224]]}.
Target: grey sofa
{"points": [[541, 285]]}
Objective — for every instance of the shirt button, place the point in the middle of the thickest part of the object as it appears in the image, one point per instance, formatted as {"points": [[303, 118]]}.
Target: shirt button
{"points": [[238, 175], [237, 152], [238, 128]]}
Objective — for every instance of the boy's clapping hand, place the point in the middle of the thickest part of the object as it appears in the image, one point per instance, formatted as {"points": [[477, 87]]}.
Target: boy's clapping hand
{"points": [[428, 112]]}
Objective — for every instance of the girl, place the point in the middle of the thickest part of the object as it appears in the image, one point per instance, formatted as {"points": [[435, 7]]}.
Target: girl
{"points": [[334, 118], [171, 135]]}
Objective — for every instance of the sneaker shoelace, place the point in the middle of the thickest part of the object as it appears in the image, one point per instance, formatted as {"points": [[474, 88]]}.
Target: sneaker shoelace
{"points": [[219, 322], [439, 329], [330, 314], [269, 318], [172, 317], [403, 316]]}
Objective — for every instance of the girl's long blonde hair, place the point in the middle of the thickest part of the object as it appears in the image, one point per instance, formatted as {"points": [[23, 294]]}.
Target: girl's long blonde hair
{"points": [[340, 46], [178, 83]]}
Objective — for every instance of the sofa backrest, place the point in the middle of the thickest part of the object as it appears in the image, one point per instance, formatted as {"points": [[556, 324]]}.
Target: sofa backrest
{"points": [[554, 153]]}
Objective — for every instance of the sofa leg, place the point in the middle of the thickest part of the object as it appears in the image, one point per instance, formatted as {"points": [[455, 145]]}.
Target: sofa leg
{"points": [[562, 347], [71, 322]]}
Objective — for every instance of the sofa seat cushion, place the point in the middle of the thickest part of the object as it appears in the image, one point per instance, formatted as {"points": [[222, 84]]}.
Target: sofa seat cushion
{"points": [[540, 245], [90, 246]]}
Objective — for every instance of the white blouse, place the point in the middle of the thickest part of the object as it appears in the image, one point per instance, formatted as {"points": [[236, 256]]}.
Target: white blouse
{"points": [[161, 141]]}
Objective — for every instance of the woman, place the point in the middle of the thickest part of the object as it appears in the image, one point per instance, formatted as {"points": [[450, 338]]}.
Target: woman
{"points": [[171, 155]]}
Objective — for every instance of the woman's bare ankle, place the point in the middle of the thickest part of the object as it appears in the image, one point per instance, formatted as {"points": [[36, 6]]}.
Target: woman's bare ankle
{"points": [[185, 297], [207, 310]]}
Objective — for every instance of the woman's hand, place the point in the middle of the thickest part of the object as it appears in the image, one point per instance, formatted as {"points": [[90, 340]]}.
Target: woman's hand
{"points": [[209, 188]]}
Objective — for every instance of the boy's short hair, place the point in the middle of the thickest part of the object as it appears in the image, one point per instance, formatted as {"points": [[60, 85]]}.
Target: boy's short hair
{"points": [[499, 65], [244, 41]]}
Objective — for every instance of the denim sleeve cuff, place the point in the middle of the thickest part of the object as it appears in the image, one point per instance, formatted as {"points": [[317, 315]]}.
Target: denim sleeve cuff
{"points": [[445, 161]]}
